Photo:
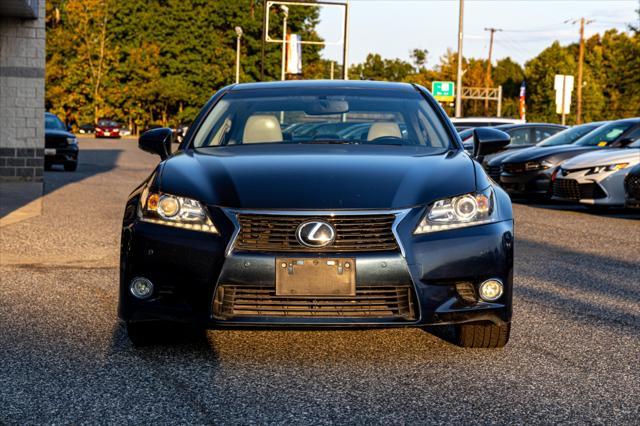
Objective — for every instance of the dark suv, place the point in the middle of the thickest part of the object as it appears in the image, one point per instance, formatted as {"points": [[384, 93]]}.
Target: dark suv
{"points": [[60, 145]]}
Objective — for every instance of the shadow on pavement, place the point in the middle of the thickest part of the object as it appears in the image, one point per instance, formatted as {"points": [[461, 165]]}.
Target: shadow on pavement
{"points": [[585, 284], [92, 162]]}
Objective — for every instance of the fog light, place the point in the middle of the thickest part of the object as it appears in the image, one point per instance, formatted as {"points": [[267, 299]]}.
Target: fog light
{"points": [[491, 290], [141, 288]]}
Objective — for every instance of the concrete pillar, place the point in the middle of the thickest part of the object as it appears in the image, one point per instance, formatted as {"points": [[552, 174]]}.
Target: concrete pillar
{"points": [[22, 65]]}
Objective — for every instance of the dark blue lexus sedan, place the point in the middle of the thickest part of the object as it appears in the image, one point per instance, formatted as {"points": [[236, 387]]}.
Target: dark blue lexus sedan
{"points": [[257, 222]]}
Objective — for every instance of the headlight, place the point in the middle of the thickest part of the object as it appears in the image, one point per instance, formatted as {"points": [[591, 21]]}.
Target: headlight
{"points": [[609, 168], [72, 141], [458, 212], [171, 210], [535, 165]]}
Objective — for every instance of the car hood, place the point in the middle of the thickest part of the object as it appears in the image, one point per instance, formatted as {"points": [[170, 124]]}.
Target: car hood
{"points": [[56, 134], [603, 158], [317, 177], [549, 153], [499, 158]]}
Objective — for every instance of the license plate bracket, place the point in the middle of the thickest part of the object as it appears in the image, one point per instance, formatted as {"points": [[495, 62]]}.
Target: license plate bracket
{"points": [[315, 276]]}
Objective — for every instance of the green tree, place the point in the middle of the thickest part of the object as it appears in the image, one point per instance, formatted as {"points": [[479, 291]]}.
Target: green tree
{"points": [[377, 68]]}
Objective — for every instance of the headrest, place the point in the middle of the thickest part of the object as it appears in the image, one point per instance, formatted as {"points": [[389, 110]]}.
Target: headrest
{"points": [[383, 129], [261, 129]]}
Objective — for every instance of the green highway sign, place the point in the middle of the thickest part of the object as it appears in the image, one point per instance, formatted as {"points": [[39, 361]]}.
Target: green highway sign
{"points": [[443, 91]]}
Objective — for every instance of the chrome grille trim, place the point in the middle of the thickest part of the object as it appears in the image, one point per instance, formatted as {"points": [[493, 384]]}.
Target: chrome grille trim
{"points": [[233, 214]]}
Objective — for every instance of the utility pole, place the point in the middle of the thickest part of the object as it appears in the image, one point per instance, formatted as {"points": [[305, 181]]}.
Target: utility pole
{"points": [[583, 22], [285, 12], [239, 35], [459, 76], [345, 47], [487, 83]]}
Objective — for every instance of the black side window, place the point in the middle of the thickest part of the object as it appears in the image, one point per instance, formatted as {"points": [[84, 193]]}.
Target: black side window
{"points": [[520, 136]]}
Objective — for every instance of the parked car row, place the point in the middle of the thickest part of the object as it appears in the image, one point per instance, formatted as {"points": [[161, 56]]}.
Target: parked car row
{"points": [[589, 164]]}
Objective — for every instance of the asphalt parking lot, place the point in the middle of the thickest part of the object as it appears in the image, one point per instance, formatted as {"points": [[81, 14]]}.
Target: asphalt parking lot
{"points": [[573, 356]]}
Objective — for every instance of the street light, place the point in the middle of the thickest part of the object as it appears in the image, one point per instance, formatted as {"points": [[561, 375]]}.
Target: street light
{"points": [[239, 33], [285, 12], [459, 73]]}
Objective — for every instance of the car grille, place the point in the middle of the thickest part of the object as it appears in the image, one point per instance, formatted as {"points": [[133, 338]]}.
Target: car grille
{"points": [[570, 189], [353, 233], [632, 185], [51, 141], [390, 302], [494, 172]]}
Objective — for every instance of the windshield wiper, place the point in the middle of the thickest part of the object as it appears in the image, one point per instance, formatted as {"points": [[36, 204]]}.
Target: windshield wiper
{"points": [[329, 141]]}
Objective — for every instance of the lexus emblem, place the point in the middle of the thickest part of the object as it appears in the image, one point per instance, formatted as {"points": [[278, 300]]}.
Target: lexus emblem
{"points": [[315, 234]]}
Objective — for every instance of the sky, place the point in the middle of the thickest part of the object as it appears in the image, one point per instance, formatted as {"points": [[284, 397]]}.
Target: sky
{"points": [[393, 28]]}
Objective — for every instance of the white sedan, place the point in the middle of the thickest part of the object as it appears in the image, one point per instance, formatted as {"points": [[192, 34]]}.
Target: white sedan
{"points": [[596, 178]]}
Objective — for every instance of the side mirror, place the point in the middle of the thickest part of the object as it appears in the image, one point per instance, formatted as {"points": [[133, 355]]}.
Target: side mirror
{"points": [[488, 141], [157, 141]]}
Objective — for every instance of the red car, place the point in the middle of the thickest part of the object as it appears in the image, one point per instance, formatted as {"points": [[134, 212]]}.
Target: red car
{"points": [[107, 129]]}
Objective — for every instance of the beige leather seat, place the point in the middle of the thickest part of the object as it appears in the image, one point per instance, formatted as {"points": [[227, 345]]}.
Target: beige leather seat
{"points": [[384, 129], [261, 129]]}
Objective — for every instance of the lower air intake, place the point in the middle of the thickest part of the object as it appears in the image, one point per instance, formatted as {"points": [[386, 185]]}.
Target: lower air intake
{"points": [[389, 302]]}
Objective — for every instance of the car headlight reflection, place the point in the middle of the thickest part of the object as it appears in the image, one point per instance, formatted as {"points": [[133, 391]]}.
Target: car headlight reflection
{"points": [[609, 168], [172, 210], [458, 212], [537, 165]]}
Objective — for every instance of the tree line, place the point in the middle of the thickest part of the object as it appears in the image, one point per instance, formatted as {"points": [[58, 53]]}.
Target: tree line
{"points": [[144, 62]]}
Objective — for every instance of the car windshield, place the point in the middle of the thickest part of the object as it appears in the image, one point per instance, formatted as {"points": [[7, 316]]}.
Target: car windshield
{"points": [[53, 123], [569, 136], [606, 134], [347, 117], [107, 123]]}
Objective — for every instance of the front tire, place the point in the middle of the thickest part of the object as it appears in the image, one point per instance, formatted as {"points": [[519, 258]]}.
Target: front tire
{"points": [[483, 335], [71, 167]]}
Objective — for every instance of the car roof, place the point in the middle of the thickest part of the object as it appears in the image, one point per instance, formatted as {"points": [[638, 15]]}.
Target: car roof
{"points": [[325, 84], [624, 120], [513, 126], [504, 120]]}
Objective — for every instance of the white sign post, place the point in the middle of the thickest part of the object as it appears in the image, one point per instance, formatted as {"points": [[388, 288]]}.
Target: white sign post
{"points": [[563, 85]]}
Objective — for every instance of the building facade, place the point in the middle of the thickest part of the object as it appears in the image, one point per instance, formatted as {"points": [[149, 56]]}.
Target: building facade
{"points": [[22, 75]]}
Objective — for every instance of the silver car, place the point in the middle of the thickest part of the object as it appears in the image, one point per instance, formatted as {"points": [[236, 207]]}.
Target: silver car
{"points": [[596, 178]]}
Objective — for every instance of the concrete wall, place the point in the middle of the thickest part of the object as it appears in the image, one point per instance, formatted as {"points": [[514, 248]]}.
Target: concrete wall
{"points": [[22, 67]]}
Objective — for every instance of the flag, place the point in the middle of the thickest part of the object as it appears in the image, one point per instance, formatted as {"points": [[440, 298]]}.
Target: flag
{"points": [[523, 107], [294, 54]]}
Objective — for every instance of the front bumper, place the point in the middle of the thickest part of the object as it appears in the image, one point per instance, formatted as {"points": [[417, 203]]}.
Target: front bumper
{"points": [[110, 134], [602, 189], [526, 183], [188, 269], [61, 155]]}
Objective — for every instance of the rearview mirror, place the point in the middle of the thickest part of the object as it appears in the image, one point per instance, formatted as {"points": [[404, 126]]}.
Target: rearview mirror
{"points": [[157, 141], [327, 107], [488, 141]]}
